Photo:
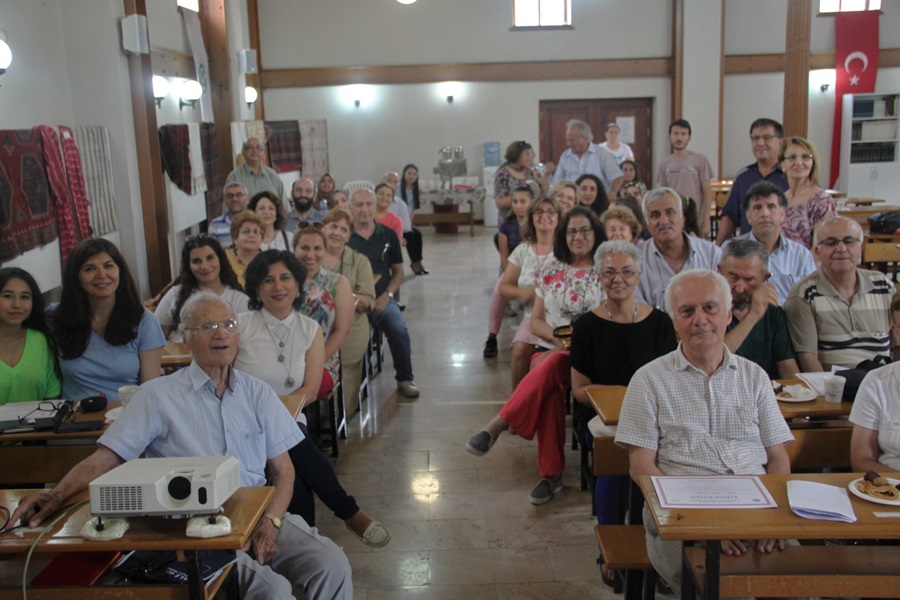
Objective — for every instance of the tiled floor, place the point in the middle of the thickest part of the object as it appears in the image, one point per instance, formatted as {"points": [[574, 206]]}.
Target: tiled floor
{"points": [[461, 526]]}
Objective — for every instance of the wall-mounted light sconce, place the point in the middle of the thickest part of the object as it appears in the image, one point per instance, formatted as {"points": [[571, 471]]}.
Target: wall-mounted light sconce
{"points": [[450, 90], [191, 91], [250, 95], [357, 95], [160, 89], [5, 56], [824, 87]]}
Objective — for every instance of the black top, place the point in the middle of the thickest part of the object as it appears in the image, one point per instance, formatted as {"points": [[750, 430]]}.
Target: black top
{"points": [[609, 353], [382, 249]]}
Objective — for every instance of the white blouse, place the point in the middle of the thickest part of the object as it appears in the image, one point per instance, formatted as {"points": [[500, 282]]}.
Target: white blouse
{"points": [[261, 333]]}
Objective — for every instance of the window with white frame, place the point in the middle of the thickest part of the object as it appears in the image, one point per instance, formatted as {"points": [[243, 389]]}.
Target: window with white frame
{"points": [[542, 13], [834, 6]]}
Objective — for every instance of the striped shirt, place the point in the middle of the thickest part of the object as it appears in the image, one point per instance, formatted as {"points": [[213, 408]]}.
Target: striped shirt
{"points": [[702, 425], [838, 332], [180, 415], [220, 228]]}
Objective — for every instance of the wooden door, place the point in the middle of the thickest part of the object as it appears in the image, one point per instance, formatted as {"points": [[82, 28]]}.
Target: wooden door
{"points": [[597, 113]]}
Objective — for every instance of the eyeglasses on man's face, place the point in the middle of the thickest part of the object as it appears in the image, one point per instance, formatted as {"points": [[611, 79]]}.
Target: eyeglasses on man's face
{"points": [[230, 326], [832, 242]]}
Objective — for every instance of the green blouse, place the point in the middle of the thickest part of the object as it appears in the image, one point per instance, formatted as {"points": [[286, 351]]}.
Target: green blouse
{"points": [[34, 377]]}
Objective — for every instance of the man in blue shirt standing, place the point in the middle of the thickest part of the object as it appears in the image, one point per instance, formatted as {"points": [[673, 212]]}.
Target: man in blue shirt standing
{"points": [[766, 138], [583, 156]]}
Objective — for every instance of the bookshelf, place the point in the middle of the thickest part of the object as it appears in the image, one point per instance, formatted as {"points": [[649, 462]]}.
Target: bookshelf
{"points": [[869, 148]]}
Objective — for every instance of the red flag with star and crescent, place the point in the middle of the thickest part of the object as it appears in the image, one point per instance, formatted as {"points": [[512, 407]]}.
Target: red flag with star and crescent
{"points": [[855, 65]]}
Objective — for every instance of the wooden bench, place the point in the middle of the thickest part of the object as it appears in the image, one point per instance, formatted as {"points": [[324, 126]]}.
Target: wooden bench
{"points": [[624, 550], [801, 571]]}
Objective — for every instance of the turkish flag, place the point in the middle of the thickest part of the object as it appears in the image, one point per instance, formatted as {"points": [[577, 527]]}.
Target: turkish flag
{"points": [[855, 65]]}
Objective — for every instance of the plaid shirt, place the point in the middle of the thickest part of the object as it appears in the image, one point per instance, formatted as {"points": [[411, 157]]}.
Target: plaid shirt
{"points": [[699, 424]]}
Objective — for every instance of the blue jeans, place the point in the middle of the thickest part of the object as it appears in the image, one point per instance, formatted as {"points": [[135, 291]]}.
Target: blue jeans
{"points": [[391, 323]]}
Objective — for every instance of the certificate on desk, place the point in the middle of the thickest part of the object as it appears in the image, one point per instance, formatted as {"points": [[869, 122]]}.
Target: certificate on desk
{"points": [[718, 491]]}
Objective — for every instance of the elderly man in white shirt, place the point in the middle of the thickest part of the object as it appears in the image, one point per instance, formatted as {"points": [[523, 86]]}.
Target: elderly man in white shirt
{"points": [[583, 156], [701, 410], [670, 250]]}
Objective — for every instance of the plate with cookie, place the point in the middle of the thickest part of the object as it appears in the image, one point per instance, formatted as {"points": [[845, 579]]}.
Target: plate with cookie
{"points": [[875, 488], [793, 393]]}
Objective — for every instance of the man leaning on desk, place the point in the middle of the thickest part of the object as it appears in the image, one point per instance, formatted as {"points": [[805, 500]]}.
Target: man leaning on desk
{"points": [[210, 409], [701, 410]]}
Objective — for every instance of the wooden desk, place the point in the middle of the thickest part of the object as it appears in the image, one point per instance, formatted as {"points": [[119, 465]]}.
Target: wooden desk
{"points": [[863, 201], [434, 218], [294, 403], [608, 404], [26, 458], [175, 356], [245, 507], [712, 525]]}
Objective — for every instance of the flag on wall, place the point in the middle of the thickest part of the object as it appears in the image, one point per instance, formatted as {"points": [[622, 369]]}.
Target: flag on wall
{"points": [[855, 65]]}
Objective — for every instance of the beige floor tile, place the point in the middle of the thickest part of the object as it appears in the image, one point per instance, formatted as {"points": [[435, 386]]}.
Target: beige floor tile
{"points": [[461, 526], [495, 565]]}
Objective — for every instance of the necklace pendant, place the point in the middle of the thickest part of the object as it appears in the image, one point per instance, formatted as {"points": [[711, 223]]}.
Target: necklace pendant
{"points": [[281, 358], [289, 382]]}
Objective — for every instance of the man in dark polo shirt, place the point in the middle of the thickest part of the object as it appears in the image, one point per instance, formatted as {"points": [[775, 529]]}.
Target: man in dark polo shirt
{"points": [[758, 329], [766, 138], [382, 247]]}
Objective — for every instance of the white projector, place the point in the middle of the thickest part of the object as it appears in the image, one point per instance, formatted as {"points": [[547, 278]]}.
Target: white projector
{"points": [[176, 488]]}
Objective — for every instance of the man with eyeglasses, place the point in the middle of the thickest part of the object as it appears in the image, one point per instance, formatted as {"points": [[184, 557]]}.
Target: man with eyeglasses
{"points": [[758, 330], [256, 176], [236, 199], [765, 206], [766, 137], [670, 250], [211, 409], [839, 315], [303, 198]]}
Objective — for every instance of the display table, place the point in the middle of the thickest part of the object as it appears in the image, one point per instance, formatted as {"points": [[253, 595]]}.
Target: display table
{"points": [[446, 209]]}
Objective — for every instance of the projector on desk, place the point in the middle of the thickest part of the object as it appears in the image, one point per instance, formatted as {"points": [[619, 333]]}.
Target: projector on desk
{"points": [[175, 488]]}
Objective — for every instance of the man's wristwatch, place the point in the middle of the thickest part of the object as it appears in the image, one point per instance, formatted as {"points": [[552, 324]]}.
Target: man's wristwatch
{"points": [[276, 521]]}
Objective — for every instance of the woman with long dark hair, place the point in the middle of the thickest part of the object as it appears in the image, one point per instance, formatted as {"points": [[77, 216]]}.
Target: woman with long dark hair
{"points": [[28, 368], [204, 266], [270, 210], [592, 193], [105, 337]]}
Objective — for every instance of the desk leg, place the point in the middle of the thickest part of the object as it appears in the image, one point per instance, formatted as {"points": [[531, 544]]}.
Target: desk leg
{"points": [[713, 556], [688, 589], [196, 589]]}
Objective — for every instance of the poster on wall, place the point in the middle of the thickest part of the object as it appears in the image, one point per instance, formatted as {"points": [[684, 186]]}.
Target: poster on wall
{"points": [[626, 129]]}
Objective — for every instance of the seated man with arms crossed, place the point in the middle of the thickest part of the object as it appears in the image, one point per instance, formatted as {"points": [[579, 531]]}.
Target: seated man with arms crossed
{"points": [[758, 330], [839, 315], [210, 409], [701, 410]]}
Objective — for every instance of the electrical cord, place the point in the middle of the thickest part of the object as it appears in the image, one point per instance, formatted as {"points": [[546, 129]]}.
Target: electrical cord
{"points": [[64, 512]]}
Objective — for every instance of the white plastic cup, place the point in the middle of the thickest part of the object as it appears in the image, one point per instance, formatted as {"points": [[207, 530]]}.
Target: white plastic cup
{"points": [[126, 393], [834, 388]]}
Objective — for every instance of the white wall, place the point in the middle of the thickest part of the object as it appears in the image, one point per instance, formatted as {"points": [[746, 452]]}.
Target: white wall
{"points": [[410, 123], [700, 90], [68, 68], [314, 33]]}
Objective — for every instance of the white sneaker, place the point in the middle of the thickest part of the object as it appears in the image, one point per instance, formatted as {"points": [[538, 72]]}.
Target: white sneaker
{"points": [[408, 389]]}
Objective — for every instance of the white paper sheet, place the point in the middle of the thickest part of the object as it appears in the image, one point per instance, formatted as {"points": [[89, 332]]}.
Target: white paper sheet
{"points": [[14, 410], [819, 501], [718, 491]]}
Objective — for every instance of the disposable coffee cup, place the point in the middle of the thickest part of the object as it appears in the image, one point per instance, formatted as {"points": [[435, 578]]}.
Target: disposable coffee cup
{"points": [[126, 393], [834, 388]]}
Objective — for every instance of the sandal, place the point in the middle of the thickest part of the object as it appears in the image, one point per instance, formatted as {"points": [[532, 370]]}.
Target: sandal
{"points": [[609, 580]]}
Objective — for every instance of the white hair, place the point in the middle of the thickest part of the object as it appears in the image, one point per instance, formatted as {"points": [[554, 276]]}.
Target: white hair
{"points": [[656, 194], [583, 128], [721, 283], [620, 247], [190, 306], [824, 222]]}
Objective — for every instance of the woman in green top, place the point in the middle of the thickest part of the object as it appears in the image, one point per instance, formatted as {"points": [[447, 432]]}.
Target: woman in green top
{"points": [[28, 367]]}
